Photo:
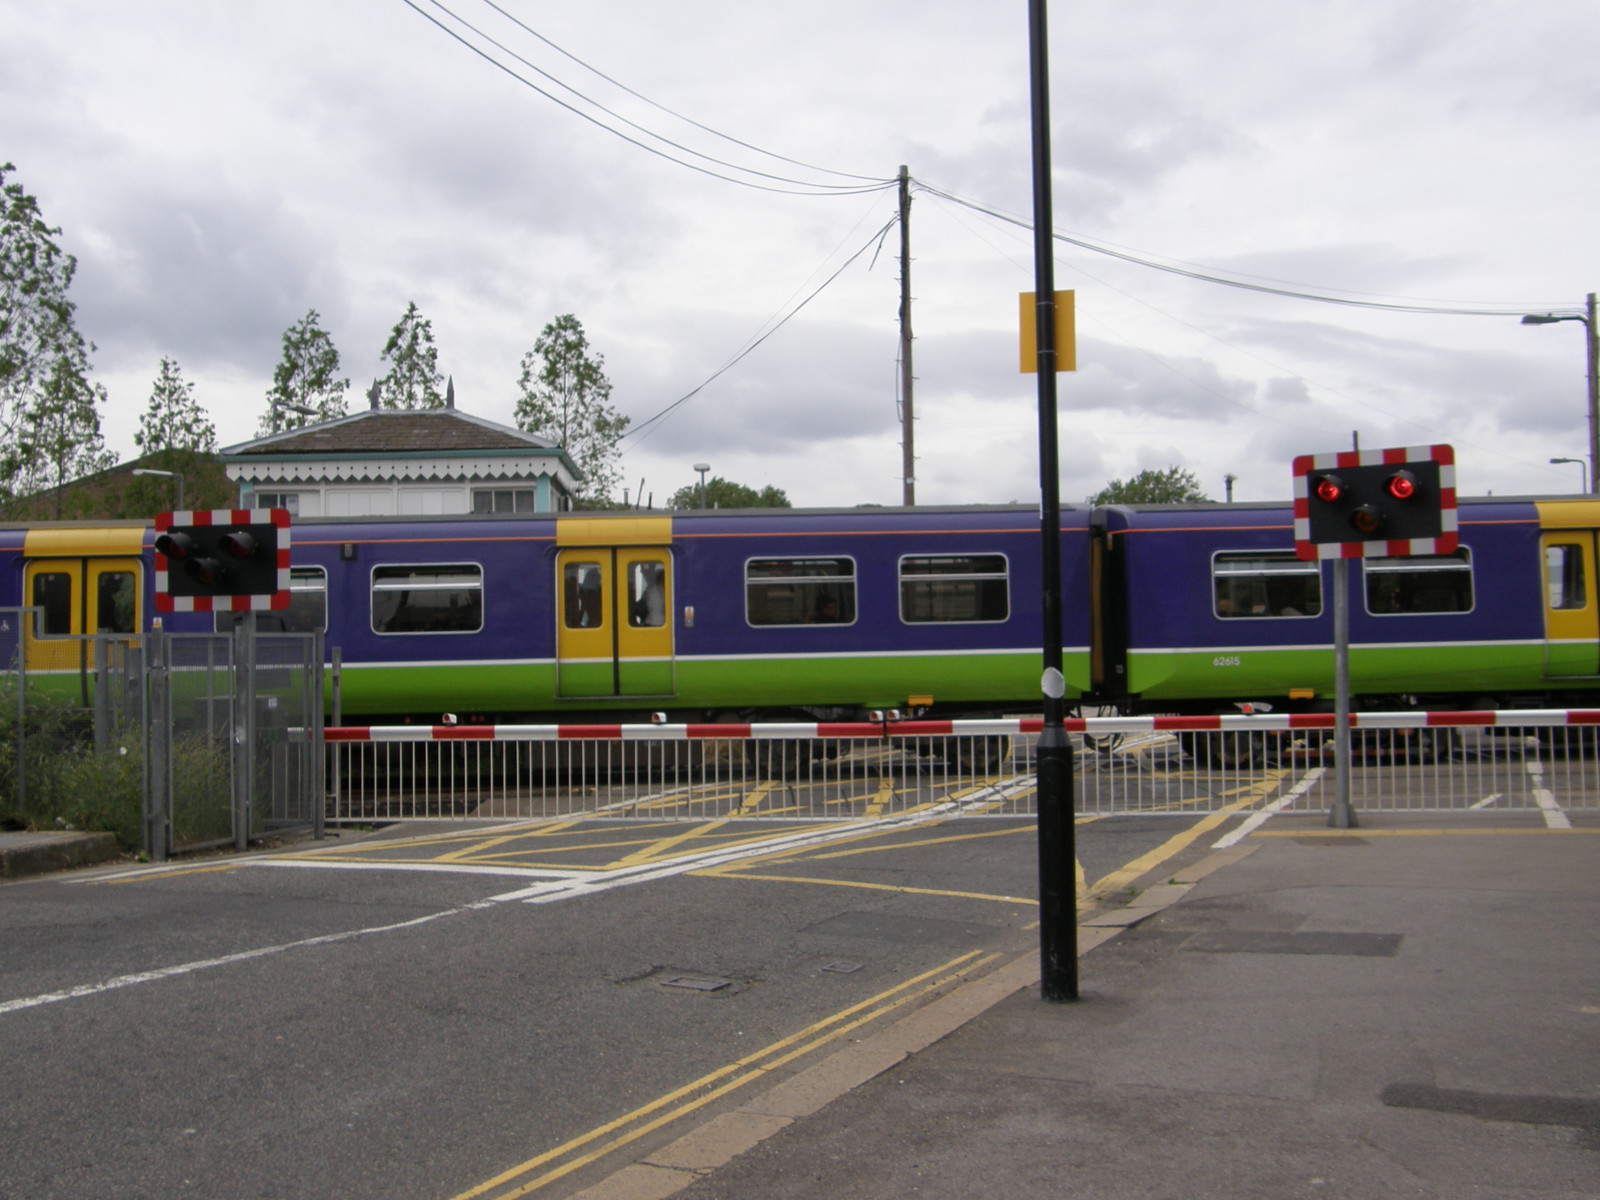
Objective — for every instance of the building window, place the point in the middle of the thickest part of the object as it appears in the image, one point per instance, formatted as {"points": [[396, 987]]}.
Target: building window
{"points": [[285, 500], [427, 599], [1265, 585], [503, 500], [1422, 583], [800, 591], [945, 588]]}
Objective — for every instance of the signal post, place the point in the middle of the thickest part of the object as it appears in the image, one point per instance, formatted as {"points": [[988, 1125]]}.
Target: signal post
{"points": [[227, 561], [1368, 504]]}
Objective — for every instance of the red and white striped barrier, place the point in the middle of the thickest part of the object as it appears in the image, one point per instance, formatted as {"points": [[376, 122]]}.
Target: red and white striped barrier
{"points": [[1244, 722]]}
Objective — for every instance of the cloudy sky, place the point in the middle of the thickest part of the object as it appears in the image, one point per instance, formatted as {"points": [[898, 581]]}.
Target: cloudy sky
{"points": [[220, 168]]}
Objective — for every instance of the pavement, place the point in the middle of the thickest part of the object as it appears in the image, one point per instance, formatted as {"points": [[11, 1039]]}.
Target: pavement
{"points": [[1406, 1009], [1410, 1008]]}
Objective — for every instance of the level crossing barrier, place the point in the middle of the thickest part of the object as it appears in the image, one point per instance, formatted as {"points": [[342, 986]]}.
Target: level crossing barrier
{"points": [[1493, 761]]}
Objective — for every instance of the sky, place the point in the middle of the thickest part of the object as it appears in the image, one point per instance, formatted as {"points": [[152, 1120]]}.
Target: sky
{"points": [[220, 169]]}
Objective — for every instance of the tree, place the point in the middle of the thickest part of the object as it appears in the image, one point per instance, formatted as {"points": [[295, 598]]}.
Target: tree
{"points": [[724, 493], [413, 380], [566, 397], [174, 420], [1152, 487], [59, 439], [49, 416], [306, 387]]}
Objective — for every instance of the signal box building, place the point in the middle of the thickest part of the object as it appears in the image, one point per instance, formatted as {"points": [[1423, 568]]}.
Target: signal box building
{"points": [[385, 462]]}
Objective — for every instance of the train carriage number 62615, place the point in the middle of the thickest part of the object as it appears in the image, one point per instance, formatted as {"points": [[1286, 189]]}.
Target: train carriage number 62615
{"points": [[1226, 660]]}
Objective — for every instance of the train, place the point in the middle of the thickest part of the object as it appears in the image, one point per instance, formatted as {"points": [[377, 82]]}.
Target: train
{"points": [[834, 614]]}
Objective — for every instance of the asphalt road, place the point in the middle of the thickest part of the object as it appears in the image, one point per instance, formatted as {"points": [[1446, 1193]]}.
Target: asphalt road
{"points": [[491, 1010]]}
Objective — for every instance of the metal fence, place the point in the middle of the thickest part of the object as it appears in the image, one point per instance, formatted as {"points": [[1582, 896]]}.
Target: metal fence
{"points": [[162, 738], [1402, 762]]}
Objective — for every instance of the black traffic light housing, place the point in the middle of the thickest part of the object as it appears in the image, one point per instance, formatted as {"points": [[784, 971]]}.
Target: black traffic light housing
{"points": [[1381, 502], [222, 560]]}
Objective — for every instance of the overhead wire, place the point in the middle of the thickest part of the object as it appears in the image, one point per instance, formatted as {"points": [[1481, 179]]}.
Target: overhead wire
{"points": [[620, 86], [801, 187], [1206, 275], [652, 423]]}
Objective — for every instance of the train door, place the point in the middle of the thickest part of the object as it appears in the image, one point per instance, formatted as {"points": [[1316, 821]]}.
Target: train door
{"points": [[614, 626], [1572, 608], [77, 598]]}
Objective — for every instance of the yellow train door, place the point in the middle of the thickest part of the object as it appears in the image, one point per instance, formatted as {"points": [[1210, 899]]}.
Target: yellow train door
{"points": [[614, 628], [1572, 609], [614, 609], [77, 598]]}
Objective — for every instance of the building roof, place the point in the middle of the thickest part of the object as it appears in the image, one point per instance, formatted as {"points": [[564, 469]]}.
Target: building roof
{"points": [[387, 433]]}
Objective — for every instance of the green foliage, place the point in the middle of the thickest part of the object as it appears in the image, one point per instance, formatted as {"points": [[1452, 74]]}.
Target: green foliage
{"points": [[49, 418], [174, 420], [564, 395], [66, 782], [306, 387], [1152, 487], [413, 380], [724, 493]]}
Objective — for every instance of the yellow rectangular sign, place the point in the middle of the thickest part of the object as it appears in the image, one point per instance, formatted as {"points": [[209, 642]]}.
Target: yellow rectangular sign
{"points": [[1066, 333]]}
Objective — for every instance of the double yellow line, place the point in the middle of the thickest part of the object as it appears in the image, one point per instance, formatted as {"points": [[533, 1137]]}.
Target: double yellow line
{"points": [[580, 1151]]}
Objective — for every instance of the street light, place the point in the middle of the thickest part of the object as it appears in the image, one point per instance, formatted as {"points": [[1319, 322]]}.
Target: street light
{"points": [[1582, 466], [702, 468], [1592, 348], [164, 475]]}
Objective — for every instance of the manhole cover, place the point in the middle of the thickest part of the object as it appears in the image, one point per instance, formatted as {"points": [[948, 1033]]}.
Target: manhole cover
{"points": [[696, 983]]}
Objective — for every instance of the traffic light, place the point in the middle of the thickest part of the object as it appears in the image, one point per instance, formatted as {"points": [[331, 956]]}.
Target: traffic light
{"points": [[1375, 503], [222, 560]]}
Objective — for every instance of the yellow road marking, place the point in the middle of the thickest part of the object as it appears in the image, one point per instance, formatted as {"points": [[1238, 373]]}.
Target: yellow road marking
{"points": [[736, 1074], [735, 873], [1148, 862], [661, 846]]}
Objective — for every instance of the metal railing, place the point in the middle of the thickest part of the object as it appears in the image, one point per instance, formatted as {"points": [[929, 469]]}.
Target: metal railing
{"points": [[1401, 762]]}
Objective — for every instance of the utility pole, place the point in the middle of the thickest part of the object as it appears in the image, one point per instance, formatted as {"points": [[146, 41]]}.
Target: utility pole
{"points": [[908, 456]]}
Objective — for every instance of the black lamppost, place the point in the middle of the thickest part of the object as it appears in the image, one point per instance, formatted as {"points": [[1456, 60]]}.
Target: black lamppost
{"points": [[1592, 349]]}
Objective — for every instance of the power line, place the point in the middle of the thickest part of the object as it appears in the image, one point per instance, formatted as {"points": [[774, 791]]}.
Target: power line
{"points": [[670, 112], [1205, 275], [801, 187], [652, 423]]}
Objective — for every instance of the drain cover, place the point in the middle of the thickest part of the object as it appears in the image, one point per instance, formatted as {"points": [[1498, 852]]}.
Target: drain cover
{"points": [[696, 983], [842, 968]]}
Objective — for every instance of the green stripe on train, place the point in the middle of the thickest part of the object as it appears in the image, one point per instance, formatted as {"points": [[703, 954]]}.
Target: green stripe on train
{"points": [[1246, 673], [707, 684]]}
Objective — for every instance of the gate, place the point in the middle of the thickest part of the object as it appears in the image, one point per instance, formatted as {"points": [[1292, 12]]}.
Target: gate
{"points": [[233, 744]]}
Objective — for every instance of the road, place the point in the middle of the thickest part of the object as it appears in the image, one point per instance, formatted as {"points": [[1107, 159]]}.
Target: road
{"points": [[494, 1009]]}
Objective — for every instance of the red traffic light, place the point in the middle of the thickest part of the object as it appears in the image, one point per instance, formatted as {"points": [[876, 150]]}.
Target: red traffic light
{"points": [[239, 544], [1329, 489], [1402, 485], [1367, 520], [175, 545]]}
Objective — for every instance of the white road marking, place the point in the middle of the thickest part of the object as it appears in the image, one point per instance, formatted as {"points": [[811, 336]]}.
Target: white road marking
{"points": [[1554, 817], [1256, 820]]}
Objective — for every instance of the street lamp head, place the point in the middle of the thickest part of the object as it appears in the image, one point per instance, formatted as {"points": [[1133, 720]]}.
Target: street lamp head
{"points": [[1540, 319], [702, 466]]}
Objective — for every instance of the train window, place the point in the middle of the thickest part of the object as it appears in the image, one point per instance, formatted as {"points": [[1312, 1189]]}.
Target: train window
{"points": [[52, 592], [582, 607], [647, 595], [502, 500], [942, 588], [800, 591], [427, 599], [1265, 585], [307, 611], [1423, 583], [117, 602], [1563, 568]]}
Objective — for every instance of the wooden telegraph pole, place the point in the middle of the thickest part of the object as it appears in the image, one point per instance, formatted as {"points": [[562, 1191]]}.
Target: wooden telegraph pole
{"points": [[908, 455]]}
